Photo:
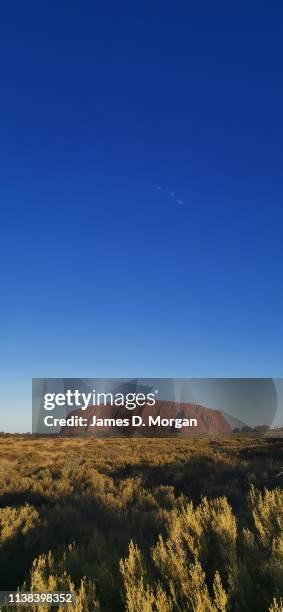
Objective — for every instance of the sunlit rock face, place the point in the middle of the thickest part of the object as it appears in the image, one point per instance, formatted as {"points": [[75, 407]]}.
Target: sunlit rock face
{"points": [[172, 416], [250, 401]]}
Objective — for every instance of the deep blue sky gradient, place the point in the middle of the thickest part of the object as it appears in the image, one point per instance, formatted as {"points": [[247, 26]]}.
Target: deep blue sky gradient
{"points": [[103, 274]]}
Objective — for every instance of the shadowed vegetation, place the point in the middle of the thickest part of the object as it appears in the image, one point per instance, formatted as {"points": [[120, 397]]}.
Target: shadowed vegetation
{"points": [[144, 524]]}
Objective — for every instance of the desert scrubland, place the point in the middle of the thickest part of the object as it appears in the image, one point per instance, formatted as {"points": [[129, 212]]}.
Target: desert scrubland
{"points": [[144, 524]]}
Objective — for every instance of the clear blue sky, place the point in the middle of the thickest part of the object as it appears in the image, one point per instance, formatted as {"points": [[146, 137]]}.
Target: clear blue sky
{"points": [[103, 273]]}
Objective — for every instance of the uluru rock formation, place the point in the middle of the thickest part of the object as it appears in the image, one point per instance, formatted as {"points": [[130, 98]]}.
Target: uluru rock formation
{"points": [[208, 421]]}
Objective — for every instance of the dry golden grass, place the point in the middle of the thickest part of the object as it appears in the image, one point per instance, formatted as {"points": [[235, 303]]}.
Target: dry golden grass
{"points": [[144, 524]]}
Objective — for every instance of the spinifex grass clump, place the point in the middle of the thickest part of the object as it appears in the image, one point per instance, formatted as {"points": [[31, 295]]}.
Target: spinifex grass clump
{"points": [[207, 563]]}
